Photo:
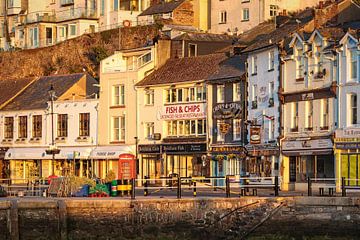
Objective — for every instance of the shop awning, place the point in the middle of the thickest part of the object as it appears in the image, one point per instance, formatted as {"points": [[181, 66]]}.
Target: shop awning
{"points": [[73, 153], [26, 153], [110, 152]]}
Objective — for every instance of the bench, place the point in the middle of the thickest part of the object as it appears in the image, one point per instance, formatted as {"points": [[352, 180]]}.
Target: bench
{"points": [[330, 190], [243, 191]]}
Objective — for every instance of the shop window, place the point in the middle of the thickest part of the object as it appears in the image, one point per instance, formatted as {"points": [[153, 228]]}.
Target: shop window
{"points": [[37, 126], [84, 124], [9, 127], [62, 125], [220, 96], [118, 98], [118, 126], [22, 127], [236, 92]]}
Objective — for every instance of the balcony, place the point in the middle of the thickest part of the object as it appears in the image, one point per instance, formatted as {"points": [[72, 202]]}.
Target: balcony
{"points": [[40, 17], [75, 13]]}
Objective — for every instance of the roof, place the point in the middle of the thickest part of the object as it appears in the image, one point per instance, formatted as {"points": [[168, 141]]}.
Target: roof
{"points": [[205, 37], [179, 70], [13, 87], [277, 35], [231, 67], [36, 95], [164, 7]]}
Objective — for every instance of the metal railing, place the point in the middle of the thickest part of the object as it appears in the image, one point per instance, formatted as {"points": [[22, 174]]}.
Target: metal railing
{"points": [[24, 187]]}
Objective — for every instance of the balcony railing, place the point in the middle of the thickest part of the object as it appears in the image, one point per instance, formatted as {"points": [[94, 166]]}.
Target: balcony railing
{"points": [[61, 16]]}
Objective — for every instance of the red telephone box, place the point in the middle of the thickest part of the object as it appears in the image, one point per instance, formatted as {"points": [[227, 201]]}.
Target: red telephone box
{"points": [[127, 166]]}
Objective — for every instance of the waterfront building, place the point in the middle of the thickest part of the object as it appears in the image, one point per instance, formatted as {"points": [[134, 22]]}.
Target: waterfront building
{"points": [[226, 116], [26, 127], [118, 108], [236, 17], [173, 117], [308, 91], [347, 136]]}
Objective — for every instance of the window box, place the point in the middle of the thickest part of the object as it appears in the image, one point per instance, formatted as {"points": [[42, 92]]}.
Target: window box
{"points": [[308, 129], [7, 140], [324, 128], [254, 104], [19, 140], [271, 102], [295, 129], [82, 139], [35, 139], [60, 139]]}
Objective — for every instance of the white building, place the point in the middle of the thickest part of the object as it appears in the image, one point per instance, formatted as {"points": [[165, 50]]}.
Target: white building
{"points": [[347, 136]]}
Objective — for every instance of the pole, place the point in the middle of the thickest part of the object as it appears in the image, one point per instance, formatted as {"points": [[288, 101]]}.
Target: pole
{"points": [[227, 185], [276, 186], [309, 187], [343, 189], [133, 188], [179, 188], [52, 135]]}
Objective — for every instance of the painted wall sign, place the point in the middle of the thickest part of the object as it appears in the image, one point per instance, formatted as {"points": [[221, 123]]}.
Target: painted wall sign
{"points": [[255, 137], [348, 133], [307, 144], [183, 111], [226, 110]]}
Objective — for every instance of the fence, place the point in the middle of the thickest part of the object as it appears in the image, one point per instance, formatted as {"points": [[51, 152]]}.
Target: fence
{"points": [[24, 187]]}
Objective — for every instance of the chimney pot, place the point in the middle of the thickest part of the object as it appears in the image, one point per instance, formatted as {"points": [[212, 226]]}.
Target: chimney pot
{"points": [[321, 4]]}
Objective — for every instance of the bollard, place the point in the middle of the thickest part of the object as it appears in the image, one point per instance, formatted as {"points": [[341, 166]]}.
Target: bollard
{"points": [[133, 188], [194, 189], [114, 188], [343, 189], [276, 186], [146, 191], [179, 188], [309, 186], [227, 186]]}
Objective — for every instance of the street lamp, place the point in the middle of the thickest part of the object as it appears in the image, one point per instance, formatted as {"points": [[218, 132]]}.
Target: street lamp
{"points": [[52, 150]]}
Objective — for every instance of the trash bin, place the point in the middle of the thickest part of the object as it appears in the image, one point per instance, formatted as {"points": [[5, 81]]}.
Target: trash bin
{"points": [[114, 188]]}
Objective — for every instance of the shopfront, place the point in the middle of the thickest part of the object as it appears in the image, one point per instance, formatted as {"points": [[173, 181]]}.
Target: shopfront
{"points": [[262, 160], [347, 155], [4, 165], [150, 161], [305, 158], [106, 158], [228, 160]]}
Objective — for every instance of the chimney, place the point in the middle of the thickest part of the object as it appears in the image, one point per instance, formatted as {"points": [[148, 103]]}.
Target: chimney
{"points": [[321, 4], [284, 13]]}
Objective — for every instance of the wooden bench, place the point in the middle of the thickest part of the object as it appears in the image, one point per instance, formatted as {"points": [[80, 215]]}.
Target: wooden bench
{"points": [[330, 190]]}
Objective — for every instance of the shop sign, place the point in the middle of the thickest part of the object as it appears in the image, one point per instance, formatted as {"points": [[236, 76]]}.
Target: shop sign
{"points": [[307, 96], [183, 111], [226, 110], [227, 149], [307, 144], [149, 149], [347, 145], [106, 154], [348, 133], [255, 137], [184, 148]]}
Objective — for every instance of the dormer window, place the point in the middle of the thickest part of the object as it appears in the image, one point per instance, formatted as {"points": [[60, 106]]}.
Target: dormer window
{"points": [[317, 57], [299, 59], [353, 64]]}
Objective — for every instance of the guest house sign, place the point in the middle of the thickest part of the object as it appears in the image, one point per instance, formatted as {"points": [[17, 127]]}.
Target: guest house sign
{"points": [[182, 111], [226, 110]]}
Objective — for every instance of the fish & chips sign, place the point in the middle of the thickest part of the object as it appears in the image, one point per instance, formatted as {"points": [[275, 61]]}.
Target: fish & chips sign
{"points": [[183, 111]]}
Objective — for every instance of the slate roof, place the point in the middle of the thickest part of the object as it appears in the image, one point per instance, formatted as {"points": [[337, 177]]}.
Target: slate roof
{"points": [[10, 87], [164, 7], [179, 70], [206, 37], [282, 32], [36, 95], [229, 68]]}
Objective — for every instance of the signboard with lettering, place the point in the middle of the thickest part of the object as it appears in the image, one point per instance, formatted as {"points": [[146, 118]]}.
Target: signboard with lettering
{"points": [[255, 137], [184, 148], [226, 110], [307, 147], [183, 111], [149, 149], [351, 132]]}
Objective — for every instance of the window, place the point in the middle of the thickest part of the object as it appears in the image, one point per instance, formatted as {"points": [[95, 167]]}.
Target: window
{"points": [[65, 2], [245, 14], [271, 94], [220, 93], [116, 5], [144, 59], [61, 32], [34, 37], [325, 114], [84, 124], [72, 30], [237, 129], [353, 109], [295, 117], [223, 17], [62, 125], [273, 10], [22, 127], [353, 64], [149, 97], [192, 50], [149, 130], [236, 92], [186, 127], [219, 134], [254, 96], [299, 60], [102, 8], [254, 65], [271, 60], [317, 58], [309, 113], [118, 95], [37, 126], [9, 127], [118, 126], [271, 128], [191, 94], [179, 94]]}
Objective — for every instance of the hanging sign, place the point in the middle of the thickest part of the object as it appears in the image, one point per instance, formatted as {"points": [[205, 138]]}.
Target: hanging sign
{"points": [[226, 110], [255, 137]]}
